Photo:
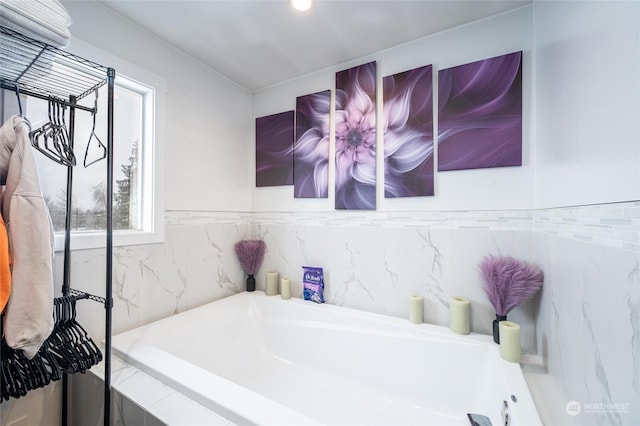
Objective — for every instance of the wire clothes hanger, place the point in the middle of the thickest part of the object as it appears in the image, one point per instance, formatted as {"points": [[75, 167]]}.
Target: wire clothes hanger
{"points": [[52, 139], [20, 110], [92, 136], [19, 100]]}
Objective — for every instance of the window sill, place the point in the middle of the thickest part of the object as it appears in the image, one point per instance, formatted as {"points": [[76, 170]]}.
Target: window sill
{"points": [[96, 240]]}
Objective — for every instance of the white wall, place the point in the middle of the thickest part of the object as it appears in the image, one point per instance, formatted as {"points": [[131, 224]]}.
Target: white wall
{"points": [[207, 116], [498, 188], [588, 102]]}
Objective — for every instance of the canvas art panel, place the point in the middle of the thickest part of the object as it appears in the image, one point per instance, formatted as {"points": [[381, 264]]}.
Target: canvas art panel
{"points": [[274, 149], [311, 148], [355, 138], [480, 114], [408, 133]]}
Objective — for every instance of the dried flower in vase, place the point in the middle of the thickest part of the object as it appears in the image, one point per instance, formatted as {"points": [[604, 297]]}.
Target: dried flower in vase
{"points": [[250, 253], [508, 282]]}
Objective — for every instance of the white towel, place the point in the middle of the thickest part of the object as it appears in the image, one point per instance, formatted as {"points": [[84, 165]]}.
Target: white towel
{"points": [[44, 20], [49, 13]]}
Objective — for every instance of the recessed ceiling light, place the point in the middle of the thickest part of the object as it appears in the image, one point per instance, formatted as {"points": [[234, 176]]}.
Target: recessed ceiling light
{"points": [[302, 5]]}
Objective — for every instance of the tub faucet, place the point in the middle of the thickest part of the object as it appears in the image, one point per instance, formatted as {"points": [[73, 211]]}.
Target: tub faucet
{"points": [[479, 420]]}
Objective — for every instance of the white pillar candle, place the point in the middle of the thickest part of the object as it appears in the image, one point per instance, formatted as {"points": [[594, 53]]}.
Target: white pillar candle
{"points": [[460, 315], [415, 309], [285, 288], [272, 283], [510, 341]]}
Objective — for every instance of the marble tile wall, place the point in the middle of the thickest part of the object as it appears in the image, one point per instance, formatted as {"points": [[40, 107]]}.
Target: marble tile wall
{"points": [[372, 261], [375, 261], [588, 330], [196, 264], [584, 325]]}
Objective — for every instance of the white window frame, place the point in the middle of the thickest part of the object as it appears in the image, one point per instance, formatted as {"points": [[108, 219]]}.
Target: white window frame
{"points": [[152, 220]]}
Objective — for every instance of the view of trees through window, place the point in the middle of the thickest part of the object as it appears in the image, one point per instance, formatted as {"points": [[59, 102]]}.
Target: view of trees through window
{"points": [[88, 200], [94, 217]]}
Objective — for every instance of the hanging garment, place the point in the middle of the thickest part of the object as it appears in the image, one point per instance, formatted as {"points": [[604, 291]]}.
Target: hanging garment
{"points": [[5, 262], [28, 318]]}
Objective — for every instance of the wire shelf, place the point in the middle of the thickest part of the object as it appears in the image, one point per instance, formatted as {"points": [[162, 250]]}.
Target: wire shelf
{"points": [[39, 69], [84, 295]]}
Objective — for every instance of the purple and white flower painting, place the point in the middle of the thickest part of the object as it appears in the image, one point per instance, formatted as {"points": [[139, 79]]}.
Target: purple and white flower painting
{"points": [[480, 114], [408, 133], [311, 149], [274, 149], [356, 138]]}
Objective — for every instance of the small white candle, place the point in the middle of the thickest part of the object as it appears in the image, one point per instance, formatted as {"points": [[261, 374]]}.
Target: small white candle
{"points": [[272, 283], [285, 288], [460, 315], [415, 309], [510, 341]]}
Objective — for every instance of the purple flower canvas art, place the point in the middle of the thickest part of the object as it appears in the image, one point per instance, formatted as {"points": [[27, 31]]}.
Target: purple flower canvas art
{"points": [[480, 114], [408, 133], [311, 148], [355, 121], [274, 149]]}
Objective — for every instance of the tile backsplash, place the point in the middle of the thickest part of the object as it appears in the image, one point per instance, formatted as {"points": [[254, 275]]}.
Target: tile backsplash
{"points": [[373, 260], [613, 225]]}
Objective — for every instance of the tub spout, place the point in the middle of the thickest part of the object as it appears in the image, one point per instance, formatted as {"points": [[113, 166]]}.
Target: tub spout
{"points": [[478, 420]]}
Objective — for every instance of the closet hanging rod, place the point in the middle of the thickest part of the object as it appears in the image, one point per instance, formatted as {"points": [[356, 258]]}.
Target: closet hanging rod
{"points": [[39, 95]]}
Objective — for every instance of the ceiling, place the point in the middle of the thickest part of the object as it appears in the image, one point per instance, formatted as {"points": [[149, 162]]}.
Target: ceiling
{"points": [[259, 43]]}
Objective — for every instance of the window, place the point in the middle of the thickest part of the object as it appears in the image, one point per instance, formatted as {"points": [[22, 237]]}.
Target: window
{"points": [[134, 203], [139, 107]]}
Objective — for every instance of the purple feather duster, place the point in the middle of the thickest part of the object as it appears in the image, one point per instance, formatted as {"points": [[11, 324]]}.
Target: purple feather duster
{"points": [[509, 282], [250, 253]]}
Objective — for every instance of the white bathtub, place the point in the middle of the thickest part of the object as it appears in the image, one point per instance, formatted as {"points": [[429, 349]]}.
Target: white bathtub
{"points": [[256, 359]]}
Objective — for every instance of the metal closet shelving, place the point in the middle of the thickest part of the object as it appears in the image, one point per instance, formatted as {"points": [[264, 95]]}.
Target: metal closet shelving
{"points": [[33, 68]]}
